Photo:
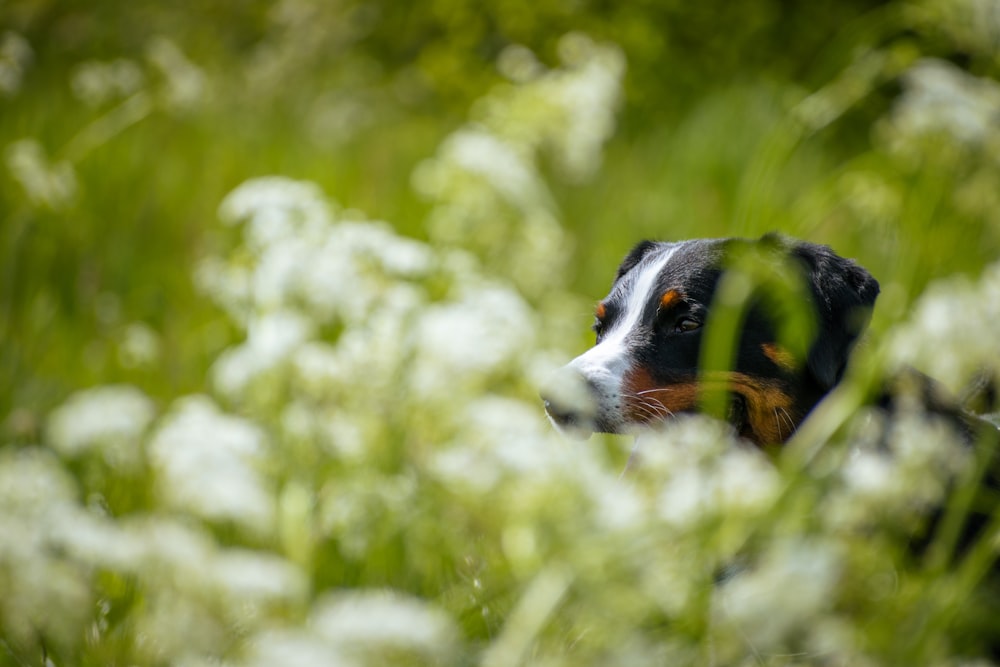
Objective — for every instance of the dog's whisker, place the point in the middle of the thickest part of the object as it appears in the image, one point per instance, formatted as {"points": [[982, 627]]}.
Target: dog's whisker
{"points": [[788, 419], [651, 408]]}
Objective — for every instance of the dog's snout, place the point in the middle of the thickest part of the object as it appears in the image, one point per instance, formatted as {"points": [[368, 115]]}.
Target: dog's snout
{"points": [[570, 403]]}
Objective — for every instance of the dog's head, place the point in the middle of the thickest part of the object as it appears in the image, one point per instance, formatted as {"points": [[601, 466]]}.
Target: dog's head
{"points": [[644, 365]]}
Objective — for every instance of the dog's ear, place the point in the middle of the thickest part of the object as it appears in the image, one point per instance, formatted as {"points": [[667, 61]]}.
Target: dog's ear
{"points": [[634, 257], [844, 294]]}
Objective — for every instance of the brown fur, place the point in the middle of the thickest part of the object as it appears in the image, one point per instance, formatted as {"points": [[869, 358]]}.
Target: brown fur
{"points": [[771, 416]]}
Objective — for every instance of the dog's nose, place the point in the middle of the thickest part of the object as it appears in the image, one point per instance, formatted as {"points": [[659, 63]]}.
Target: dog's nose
{"points": [[569, 402]]}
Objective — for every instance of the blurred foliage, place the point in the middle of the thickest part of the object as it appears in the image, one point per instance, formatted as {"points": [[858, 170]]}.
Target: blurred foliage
{"points": [[297, 456]]}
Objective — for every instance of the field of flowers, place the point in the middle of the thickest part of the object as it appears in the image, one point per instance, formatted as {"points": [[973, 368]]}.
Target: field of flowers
{"points": [[270, 376]]}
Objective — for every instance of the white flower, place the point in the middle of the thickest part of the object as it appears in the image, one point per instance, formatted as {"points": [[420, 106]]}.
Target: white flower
{"points": [[871, 474], [44, 592], [95, 82], [185, 82], [685, 498], [499, 436], [15, 56], [31, 482], [271, 339], [589, 95], [110, 419], [380, 620], [356, 268], [175, 553], [293, 648], [94, 540], [947, 336], [938, 97], [170, 625], [46, 184], [793, 584], [745, 481], [479, 152], [207, 463], [519, 64], [277, 208], [707, 471], [139, 347], [251, 576], [484, 330], [227, 284]]}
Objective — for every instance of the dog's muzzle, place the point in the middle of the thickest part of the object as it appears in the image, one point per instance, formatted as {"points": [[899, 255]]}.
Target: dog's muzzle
{"points": [[570, 402]]}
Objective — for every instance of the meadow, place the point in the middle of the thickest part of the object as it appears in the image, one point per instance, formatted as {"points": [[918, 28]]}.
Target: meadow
{"points": [[279, 283]]}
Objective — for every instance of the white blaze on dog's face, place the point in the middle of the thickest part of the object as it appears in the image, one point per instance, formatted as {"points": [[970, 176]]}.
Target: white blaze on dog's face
{"points": [[604, 367], [598, 390]]}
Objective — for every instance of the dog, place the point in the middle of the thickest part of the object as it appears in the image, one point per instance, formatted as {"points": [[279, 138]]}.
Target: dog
{"points": [[644, 366]]}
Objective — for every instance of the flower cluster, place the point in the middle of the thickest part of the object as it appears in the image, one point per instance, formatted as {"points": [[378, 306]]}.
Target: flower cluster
{"points": [[485, 181], [945, 335]]}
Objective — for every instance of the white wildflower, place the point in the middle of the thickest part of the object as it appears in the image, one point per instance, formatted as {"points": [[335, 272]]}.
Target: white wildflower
{"points": [[345, 436], [683, 441], [745, 481], [374, 349], [276, 207], [794, 583], [498, 436], [376, 241], [276, 275], [46, 184], [271, 339], [939, 98], [617, 505], [484, 330], [590, 96], [185, 81], [43, 596], [379, 620], [175, 553], [293, 648], [207, 463], [480, 152], [31, 482], [227, 284], [519, 64], [320, 367], [871, 474], [708, 472], [302, 259], [43, 591], [109, 419], [686, 498], [94, 540], [250, 576], [15, 56], [944, 334], [355, 510], [172, 625], [350, 272], [515, 432], [139, 347], [96, 82], [468, 468]]}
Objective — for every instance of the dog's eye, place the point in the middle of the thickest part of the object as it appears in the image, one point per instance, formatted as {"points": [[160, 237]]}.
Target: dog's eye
{"points": [[686, 324], [598, 326]]}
